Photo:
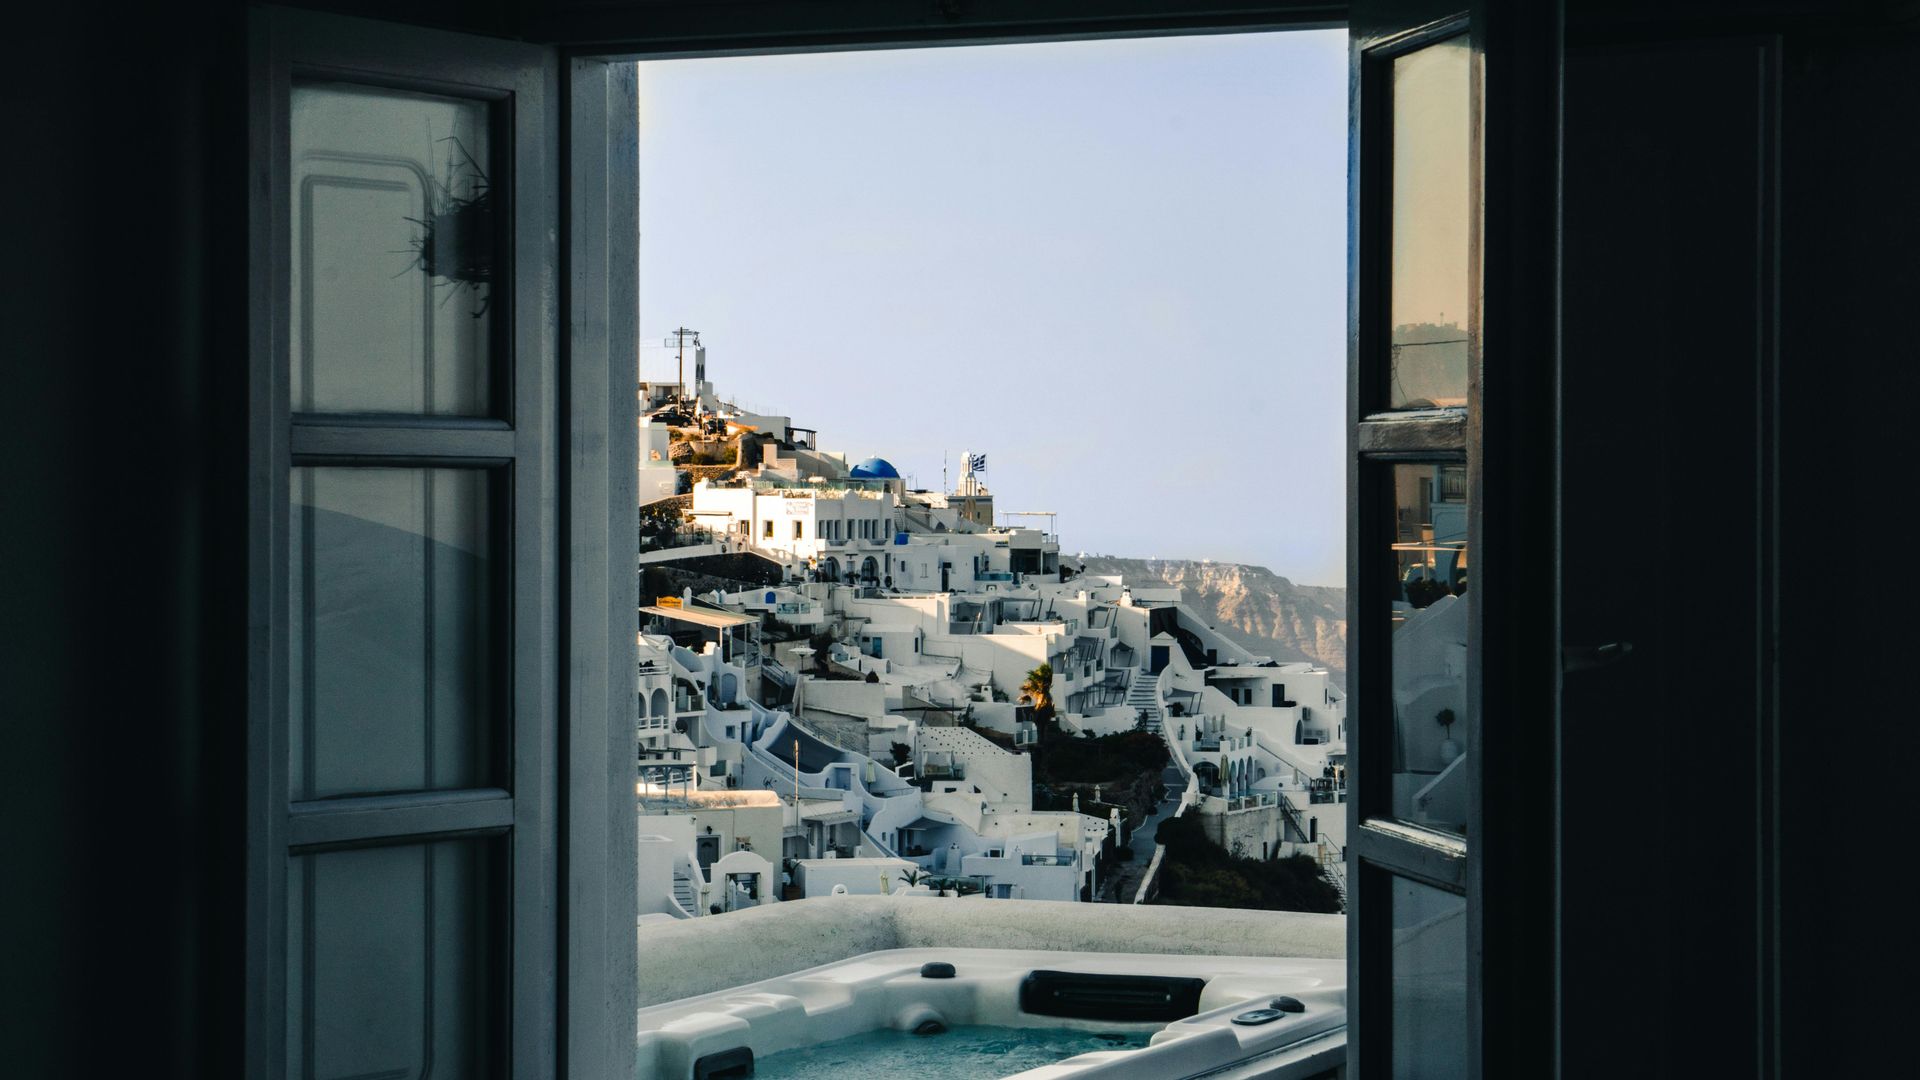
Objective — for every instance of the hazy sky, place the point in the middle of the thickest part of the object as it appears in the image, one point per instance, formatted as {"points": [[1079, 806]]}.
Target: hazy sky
{"points": [[1117, 268]]}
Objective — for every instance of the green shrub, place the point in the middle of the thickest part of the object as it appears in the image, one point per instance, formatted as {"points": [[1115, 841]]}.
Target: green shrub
{"points": [[1201, 873], [1103, 759]]}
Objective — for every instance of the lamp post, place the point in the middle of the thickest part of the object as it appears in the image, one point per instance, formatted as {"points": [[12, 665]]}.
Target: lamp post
{"points": [[797, 823]]}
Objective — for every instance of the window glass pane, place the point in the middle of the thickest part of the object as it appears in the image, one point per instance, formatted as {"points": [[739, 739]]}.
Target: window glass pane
{"points": [[1429, 982], [392, 258], [391, 619], [391, 961], [1429, 566], [1432, 141]]}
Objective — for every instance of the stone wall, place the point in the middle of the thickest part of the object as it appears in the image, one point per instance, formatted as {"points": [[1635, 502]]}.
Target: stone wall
{"points": [[1248, 828]]}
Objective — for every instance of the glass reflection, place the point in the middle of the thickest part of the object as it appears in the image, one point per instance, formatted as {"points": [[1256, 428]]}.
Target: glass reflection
{"points": [[1429, 613], [390, 627], [1429, 982], [390, 968], [1432, 145], [393, 245]]}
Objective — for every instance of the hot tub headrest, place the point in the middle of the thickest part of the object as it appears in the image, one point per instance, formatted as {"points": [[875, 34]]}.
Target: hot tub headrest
{"points": [[1085, 996], [734, 1064]]}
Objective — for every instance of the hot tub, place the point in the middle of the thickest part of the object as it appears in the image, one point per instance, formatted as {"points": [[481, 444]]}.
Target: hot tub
{"points": [[985, 1013]]}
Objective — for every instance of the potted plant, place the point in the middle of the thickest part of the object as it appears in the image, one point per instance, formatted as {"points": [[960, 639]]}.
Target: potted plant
{"points": [[1449, 749]]}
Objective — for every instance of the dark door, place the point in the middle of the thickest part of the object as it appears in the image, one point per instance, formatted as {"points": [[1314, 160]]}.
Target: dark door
{"points": [[1666, 398]]}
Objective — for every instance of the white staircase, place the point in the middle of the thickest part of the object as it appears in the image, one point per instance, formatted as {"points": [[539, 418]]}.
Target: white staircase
{"points": [[1142, 697], [685, 893]]}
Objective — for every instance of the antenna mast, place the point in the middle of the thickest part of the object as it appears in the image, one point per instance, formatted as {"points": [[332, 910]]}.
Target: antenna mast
{"points": [[679, 342]]}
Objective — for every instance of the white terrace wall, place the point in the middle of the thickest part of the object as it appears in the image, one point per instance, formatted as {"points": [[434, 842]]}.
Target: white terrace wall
{"points": [[1001, 777], [846, 697], [861, 877], [682, 958], [1008, 656]]}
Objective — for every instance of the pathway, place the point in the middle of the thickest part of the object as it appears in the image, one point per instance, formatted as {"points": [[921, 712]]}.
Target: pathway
{"points": [[1124, 881]]}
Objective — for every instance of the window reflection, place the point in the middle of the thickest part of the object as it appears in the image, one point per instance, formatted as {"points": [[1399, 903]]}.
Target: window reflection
{"points": [[1432, 146], [391, 968], [390, 629], [1429, 614], [393, 252], [1429, 982]]}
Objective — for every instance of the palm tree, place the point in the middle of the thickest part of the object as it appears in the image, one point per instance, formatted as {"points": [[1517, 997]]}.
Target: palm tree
{"points": [[1039, 690]]}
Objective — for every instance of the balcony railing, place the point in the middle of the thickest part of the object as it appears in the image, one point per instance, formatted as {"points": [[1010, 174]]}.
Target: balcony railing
{"points": [[1049, 860], [1323, 790], [687, 537]]}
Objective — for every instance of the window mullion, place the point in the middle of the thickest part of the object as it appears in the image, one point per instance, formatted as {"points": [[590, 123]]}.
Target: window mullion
{"points": [[380, 817], [313, 442], [1432, 858], [1442, 432]]}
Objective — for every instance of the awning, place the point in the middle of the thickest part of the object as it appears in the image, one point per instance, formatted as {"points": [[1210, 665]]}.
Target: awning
{"points": [[699, 616], [830, 817]]}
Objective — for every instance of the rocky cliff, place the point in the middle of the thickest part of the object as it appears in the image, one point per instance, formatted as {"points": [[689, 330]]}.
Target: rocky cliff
{"points": [[1252, 605]]}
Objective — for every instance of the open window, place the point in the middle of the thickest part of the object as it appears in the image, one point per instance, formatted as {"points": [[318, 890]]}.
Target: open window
{"points": [[442, 526], [1411, 604], [402, 806]]}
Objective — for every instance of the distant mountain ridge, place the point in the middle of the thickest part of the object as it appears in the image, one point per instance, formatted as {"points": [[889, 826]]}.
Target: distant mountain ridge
{"points": [[1251, 605]]}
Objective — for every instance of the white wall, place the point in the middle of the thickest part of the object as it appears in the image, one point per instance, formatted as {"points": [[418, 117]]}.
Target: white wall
{"points": [[846, 697], [658, 477], [760, 826], [1001, 777], [817, 877], [665, 845], [698, 956]]}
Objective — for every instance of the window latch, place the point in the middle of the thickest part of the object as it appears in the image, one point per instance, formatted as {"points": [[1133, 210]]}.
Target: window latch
{"points": [[1587, 657]]}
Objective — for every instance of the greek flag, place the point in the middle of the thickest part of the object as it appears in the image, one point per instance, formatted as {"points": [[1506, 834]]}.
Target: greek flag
{"points": [[976, 463]]}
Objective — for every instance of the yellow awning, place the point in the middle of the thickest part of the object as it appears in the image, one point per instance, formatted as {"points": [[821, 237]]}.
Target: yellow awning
{"points": [[700, 616]]}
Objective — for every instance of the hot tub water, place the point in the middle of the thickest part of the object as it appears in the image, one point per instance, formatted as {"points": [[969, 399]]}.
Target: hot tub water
{"points": [[972, 1052], [986, 1014]]}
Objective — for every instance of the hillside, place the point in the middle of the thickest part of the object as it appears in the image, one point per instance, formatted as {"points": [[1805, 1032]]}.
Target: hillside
{"points": [[1253, 606]]}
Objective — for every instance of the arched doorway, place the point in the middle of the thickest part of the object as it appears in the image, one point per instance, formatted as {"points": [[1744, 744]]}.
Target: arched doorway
{"points": [[1208, 774]]}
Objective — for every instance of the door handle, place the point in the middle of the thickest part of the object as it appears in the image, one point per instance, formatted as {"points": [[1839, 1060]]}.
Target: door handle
{"points": [[1587, 657]]}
